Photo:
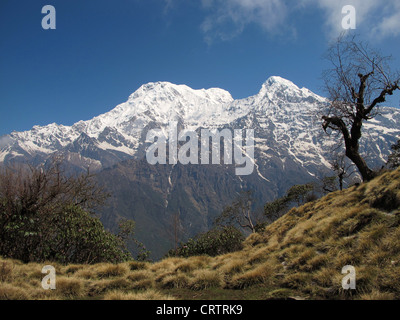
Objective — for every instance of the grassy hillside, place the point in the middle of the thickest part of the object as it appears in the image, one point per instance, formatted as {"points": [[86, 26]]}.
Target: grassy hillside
{"points": [[301, 256]]}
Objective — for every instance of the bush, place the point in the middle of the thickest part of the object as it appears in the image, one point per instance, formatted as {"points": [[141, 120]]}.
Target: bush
{"points": [[214, 242], [47, 216], [69, 236]]}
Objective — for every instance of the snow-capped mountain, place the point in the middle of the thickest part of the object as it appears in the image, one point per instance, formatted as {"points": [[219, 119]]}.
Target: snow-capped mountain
{"points": [[286, 120], [290, 148]]}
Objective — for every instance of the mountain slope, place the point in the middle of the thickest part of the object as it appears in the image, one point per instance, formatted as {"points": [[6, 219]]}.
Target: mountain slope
{"points": [[290, 148], [303, 252], [152, 195], [299, 256]]}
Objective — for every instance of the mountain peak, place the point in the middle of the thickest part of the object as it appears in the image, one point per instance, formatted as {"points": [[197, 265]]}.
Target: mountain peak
{"points": [[278, 82], [157, 85], [162, 88], [279, 88], [151, 86]]}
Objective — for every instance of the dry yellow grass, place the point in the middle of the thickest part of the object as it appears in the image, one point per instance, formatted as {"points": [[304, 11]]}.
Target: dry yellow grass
{"points": [[9, 291], [69, 288], [205, 279], [137, 265], [233, 266], [258, 275], [138, 275], [178, 280], [377, 295], [148, 295], [302, 253], [111, 270]]}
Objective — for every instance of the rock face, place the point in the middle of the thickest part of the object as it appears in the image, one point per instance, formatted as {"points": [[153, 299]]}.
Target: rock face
{"points": [[290, 148]]}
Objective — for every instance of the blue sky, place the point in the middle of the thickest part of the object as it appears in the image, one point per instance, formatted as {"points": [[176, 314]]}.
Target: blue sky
{"points": [[102, 51]]}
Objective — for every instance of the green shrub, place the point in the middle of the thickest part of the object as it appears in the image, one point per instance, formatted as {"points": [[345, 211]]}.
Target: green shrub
{"points": [[47, 216], [214, 242], [217, 241]]}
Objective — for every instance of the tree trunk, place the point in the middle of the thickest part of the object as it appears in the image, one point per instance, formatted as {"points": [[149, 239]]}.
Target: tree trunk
{"points": [[366, 173], [351, 143]]}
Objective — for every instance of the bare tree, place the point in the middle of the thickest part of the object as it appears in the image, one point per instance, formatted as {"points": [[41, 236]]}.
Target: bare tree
{"points": [[239, 213], [31, 188], [342, 168], [358, 83], [47, 216]]}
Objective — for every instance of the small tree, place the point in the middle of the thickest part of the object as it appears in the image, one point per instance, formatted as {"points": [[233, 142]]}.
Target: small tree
{"points": [[358, 83], [238, 213], [276, 208], [328, 184], [300, 193], [219, 240], [45, 215], [342, 168], [295, 195], [126, 235]]}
